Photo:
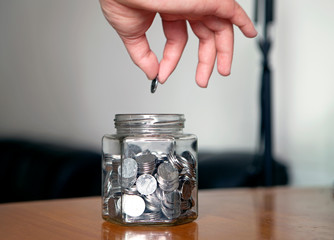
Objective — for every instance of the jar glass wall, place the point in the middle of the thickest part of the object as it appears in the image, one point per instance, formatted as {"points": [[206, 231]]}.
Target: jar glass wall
{"points": [[149, 171]]}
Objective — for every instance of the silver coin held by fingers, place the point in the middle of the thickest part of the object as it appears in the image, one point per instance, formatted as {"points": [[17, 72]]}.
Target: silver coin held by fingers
{"points": [[154, 85]]}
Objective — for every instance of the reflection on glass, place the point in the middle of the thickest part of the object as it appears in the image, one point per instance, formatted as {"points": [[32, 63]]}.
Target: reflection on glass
{"points": [[116, 232]]}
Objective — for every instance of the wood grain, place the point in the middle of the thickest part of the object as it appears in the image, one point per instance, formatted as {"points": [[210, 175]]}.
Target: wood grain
{"points": [[275, 213]]}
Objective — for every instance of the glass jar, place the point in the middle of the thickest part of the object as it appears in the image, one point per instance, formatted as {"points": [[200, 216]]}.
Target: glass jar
{"points": [[149, 171]]}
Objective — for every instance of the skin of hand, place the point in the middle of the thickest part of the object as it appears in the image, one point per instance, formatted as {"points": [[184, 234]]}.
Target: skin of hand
{"points": [[211, 21]]}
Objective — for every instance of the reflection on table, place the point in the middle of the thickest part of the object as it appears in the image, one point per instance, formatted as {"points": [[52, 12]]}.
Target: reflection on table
{"points": [[111, 231]]}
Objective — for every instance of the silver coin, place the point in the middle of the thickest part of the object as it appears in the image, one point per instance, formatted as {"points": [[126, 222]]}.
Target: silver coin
{"points": [[146, 184], [107, 184], [146, 163], [169, 187], [191, 159], [133, 205], [186, 190], [129, 168], [119, 204], [159, 193], [116, 193], [132, 190], [152, 199], [175, 162], [182, 161], [153, 208], [167, 172], [132, 150], [146, 158], [111, 163], [172, 197], [154, 85], [107, 165], [151, 217], [171, 213]]}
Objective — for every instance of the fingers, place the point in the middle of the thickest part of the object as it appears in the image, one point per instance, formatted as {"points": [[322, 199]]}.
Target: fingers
{"points": [[224, 37], [224, 46], [177, 36], [141, 54], [206, 52], [241, 19]]}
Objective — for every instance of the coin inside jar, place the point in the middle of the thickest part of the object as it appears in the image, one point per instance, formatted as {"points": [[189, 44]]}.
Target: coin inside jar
{"points": [[146, 184], [186, 190], [133, 205], [129, 168], [146, 163], [127, 172], [168, 172]]}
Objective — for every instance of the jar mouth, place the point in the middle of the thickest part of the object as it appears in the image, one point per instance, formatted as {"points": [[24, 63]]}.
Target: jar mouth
{"points": [[149, 121]]}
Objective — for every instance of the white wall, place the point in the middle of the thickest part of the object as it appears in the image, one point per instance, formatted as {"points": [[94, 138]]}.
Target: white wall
{"points": [[64, 74]]}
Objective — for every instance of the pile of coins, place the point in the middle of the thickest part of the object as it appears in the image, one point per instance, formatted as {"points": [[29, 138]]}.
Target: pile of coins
{"points": [[150, 187]]}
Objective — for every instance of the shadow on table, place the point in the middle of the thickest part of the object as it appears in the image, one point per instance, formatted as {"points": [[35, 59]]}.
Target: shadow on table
{"points": [[36, 171]]}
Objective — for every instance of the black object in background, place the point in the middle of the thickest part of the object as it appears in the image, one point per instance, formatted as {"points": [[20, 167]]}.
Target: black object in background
{"points": [[264, 12], [37, 171], [237, 169]]}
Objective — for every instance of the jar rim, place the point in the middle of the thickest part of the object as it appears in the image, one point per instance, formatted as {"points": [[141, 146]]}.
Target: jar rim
{"points": [[149, 120]]}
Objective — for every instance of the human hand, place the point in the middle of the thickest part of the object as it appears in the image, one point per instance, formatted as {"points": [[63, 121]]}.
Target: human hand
{"points": [[211, 21]]}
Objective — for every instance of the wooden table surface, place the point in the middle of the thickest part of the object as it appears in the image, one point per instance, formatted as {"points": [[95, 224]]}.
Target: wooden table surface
{"points": [[274, 213]]}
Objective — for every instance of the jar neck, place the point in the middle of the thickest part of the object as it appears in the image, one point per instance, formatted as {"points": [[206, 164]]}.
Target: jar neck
{"points": [[149, 123]]}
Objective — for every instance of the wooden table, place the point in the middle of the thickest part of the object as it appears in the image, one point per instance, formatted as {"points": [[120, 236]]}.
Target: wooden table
{"points": [[277, 213]]}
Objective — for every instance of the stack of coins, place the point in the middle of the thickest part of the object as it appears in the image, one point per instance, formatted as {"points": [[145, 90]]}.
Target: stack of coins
{"points": [[187, 205], [168, 177], [110, 175], [171, 204], [131, 190], [114, 201], [175, 162], [188, 171], [186, 189], [151, 216], [146, 163], [153, 203], [159, 193], [112, 207], [190, 158]]}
